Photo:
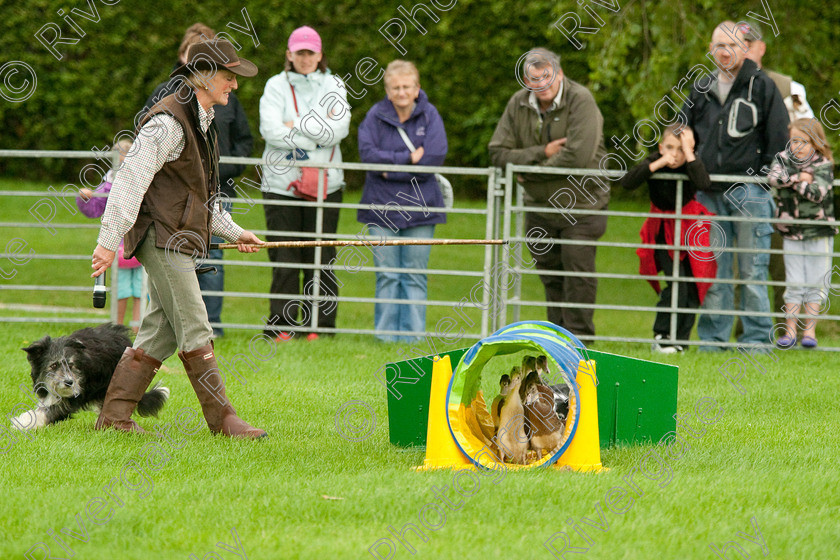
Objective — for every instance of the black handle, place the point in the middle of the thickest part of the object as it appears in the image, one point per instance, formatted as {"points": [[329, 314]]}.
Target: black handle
{"points": [[99, 292]]}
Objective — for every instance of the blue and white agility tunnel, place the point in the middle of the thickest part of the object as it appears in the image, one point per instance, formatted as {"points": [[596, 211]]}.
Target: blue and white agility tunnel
{"points": [[464, 403]]}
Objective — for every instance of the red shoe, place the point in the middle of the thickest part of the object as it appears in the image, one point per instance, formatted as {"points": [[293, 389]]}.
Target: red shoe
{"points": [[284, 337], [312, 336]]}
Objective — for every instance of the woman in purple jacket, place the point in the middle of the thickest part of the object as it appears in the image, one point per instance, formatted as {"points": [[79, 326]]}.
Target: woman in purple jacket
{"points": [[405, 107]]}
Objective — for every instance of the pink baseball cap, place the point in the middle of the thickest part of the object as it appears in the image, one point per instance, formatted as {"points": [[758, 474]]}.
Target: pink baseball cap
{"points": [[305, 38]]}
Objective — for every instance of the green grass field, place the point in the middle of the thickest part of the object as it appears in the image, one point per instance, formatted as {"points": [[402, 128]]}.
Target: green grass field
{"points": [[305, 492]]}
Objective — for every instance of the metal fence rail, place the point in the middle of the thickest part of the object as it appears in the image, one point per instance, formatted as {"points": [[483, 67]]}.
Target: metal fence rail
{"points": [[316, 298], [501, 295], [514, 230]]}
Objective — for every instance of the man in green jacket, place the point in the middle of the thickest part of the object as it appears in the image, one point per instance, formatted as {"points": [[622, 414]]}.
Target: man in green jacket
{"points": [[555, 122]]}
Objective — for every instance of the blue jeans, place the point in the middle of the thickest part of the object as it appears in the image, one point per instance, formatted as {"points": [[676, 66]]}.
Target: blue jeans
{"points": [[214, 282], [751, 266], [395, 285]]}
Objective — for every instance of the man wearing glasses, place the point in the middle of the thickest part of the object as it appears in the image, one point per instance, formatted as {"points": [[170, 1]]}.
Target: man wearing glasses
{"points": [[740, 122], [555, 122]]}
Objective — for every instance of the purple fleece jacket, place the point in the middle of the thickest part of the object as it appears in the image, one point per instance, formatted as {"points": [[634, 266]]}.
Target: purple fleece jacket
{"points": [[95, 207], [380, 142]]}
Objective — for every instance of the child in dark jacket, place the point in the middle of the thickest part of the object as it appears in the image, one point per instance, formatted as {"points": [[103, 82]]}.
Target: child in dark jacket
{"points": [[802, 177], [675, 154], [130, 282]]}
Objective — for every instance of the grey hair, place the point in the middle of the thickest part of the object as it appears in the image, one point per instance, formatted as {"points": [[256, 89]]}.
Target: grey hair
{"points": [[401, 68], [541, 57]]}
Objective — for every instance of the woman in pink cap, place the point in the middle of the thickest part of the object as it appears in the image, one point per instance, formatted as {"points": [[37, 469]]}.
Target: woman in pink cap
{"points": [[304, 115]]}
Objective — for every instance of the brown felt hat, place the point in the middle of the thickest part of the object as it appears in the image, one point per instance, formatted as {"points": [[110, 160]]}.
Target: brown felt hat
{"points": [[213, 55]]}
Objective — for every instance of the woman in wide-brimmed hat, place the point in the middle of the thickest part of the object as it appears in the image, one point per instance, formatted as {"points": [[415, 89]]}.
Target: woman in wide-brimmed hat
{"points": [[160, 202]]}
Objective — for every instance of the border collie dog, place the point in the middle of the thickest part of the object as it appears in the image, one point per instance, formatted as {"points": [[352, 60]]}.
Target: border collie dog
{"points": [[72, 373]]}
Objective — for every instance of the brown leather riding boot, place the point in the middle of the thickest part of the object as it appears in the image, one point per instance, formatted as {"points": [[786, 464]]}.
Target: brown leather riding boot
{"points": [[210, 388], [131, 378]]}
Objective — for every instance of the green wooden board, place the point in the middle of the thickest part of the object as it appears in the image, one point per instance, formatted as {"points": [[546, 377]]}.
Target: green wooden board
{"points": [[409, 385], [637, 399]]}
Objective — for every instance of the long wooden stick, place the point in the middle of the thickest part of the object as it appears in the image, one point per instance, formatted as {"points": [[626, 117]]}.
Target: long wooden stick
{"points": [[359, 243]]}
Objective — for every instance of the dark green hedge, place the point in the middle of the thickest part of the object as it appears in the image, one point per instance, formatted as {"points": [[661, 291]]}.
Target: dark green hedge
{"points": [[466, 61]]}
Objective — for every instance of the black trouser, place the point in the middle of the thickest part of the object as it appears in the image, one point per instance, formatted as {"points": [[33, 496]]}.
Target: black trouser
{"points": [[777, 273], [570, 258], [687, 296], [296, 315]]}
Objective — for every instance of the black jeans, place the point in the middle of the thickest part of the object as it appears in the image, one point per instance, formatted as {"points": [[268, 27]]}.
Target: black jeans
{"points": [[687, 296], [295, 315], [572, 258]]}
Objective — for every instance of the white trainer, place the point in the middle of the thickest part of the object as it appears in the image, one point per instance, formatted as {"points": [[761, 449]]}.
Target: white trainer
{"points": [[661, 348]]}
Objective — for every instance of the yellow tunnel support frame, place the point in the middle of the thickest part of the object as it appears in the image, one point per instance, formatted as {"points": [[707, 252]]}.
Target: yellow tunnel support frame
{"points": [[583, 454], [441, 450]]}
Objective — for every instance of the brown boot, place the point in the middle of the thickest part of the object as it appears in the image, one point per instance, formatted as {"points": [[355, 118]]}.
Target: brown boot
{"points": [[132, 376], [210, 388]]}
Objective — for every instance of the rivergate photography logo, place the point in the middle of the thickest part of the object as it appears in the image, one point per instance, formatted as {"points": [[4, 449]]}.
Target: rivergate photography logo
{"points": [[18, 81]]}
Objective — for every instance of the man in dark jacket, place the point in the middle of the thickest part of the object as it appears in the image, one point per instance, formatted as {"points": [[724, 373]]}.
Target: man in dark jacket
{"points": [[235, 139], [740, 122], [555, 122]]}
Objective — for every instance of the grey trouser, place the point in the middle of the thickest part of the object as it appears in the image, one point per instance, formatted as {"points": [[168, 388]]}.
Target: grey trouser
{"points": [[176, 316], [807, 273]]}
